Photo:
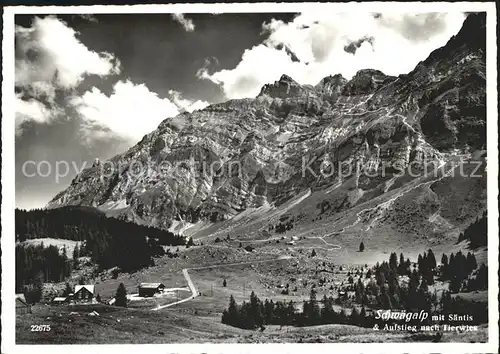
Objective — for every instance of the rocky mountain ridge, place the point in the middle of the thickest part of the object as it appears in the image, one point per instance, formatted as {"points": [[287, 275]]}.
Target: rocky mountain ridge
{"points": [[215, 163]]}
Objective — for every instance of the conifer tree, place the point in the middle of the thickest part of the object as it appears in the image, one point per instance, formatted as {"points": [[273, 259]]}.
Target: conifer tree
{"points": [[401, 266], [232, 312], [355, 318], [362, 316], [431, 259], [384, 299], [393, 261], [471, 261], [361, 247], [314, 311], [380, 277], [268, 311], [121, 296], [34, 292], [255, 308], [359, 291], [76, 253], [67, 290], [444, 264], [455, 284], [290, 311]]}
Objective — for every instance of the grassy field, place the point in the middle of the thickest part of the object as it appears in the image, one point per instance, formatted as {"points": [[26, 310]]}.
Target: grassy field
{"points": [[74, 325], [169, 270], [59, 243]]}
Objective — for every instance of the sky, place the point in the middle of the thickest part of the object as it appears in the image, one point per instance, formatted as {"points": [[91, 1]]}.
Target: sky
{"points": [[91, 86]]}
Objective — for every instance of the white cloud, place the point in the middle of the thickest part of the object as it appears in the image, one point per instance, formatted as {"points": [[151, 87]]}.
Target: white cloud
{"points": [[31, 110], [130, 111], [51, 62], [185, 22], [258, 66], [49, 58], [49, 52], [399, 42], [185, 104], [197, 105]]}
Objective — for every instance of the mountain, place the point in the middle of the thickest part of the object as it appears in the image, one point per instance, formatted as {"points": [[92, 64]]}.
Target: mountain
{"points": [[266, 154]]}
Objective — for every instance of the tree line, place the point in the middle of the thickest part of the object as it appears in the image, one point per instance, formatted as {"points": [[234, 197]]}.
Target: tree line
{"points": [[36, 264], [257, 313], [461, 270], [77, 222], [383, 289], [477, 232]]}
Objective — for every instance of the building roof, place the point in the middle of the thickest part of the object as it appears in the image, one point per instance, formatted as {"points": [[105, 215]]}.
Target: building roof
{"points": [[21, 300], [57, 299], [151, 285], [90, 288]]}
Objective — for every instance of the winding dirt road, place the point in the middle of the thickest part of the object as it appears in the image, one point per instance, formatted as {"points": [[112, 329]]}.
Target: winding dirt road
{"points": [[192, 287]]}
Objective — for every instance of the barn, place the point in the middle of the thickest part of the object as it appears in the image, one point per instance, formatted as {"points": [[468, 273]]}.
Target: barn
{"points": [[84, 293], [21, 305], [150, 289], [59, 300]]}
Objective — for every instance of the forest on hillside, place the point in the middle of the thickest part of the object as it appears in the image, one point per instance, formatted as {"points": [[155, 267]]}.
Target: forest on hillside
{"points": [[109, 242], [80, 223], [477, 232]]}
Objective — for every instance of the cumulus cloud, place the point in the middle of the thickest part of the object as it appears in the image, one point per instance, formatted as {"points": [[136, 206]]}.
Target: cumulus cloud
{"points": [[130, 111], [415, 27], [51, 62], [315, 45], [49, 52], [258, 66], [185, 22], [184, 104], [32, 110], [50, 59]]}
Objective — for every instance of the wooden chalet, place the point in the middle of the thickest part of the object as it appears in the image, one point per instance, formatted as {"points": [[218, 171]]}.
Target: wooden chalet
{"points": [[22, 305], [84, 293], [150, 289]]}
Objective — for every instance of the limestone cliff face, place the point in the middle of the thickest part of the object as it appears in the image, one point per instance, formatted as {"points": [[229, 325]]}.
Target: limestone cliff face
{"points": [[214, 163]]}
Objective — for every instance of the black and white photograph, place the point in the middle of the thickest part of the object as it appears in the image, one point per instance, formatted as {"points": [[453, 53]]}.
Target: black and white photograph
{"points": [[215, 174]]}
